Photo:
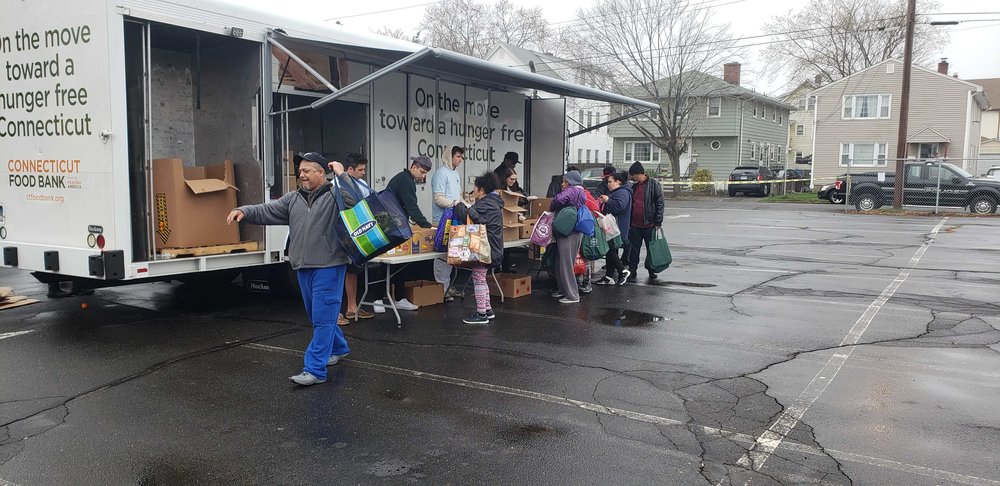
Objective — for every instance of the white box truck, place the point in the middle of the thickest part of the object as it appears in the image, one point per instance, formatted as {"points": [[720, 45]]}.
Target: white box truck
{"points": [[92, 92]]}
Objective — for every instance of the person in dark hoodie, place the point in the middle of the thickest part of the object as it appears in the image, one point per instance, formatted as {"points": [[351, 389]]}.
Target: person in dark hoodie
{"points": [[488, 210], [404, 187], [618, 204], [315, 254]]}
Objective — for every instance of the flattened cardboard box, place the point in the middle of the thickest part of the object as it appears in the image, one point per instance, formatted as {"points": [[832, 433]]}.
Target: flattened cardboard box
{"points": [[424, 292], [191, 204]]}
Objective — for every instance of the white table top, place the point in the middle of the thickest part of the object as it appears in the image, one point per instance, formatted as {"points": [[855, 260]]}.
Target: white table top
{"points": [[419, 257]]}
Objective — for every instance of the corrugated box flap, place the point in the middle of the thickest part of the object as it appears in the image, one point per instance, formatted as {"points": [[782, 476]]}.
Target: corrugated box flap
{"points": [[202, 186]]}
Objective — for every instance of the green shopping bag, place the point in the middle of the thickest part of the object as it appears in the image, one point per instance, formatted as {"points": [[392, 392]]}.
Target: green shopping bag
{"points": [[658, 253], [594, 247]]}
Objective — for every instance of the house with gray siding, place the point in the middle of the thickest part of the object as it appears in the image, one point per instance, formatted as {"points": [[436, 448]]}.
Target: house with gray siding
{"points": [[732, 126], [856, 121]]}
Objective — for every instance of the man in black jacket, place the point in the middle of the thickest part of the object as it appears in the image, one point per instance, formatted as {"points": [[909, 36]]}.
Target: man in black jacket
{"points": [[509, 162], [647, 215], [404, 187]]}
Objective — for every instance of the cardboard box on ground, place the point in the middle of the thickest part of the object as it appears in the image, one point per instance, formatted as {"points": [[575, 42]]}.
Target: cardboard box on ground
{"points": [[539, 206], [512, 211], [423, 293], [513, 285], [191, 204]]}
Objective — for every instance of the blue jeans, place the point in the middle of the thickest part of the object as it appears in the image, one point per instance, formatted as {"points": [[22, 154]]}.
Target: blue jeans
{"points": [[322, 289]]}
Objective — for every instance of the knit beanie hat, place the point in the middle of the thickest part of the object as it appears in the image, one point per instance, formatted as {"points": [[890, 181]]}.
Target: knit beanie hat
{"points": [[574, 178], [636, 169]]}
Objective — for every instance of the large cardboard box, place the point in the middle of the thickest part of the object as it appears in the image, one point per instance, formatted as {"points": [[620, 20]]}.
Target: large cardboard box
{"points": [[512, 233], [513, 285], [423, 292], [539, 206], [191, 204]]}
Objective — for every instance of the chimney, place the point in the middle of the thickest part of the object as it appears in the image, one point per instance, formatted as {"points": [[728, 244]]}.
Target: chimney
{"points": [[731, 73], [943, 66], [818, 79]]}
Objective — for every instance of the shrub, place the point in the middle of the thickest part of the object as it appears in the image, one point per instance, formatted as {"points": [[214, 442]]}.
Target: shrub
{"points": [[702, 180]]}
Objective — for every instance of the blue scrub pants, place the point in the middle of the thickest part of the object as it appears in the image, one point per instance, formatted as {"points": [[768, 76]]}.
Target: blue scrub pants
{"points": [[322, 289]]}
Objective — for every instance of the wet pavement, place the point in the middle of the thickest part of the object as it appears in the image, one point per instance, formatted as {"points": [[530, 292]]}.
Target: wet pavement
{"points": [[788, 344]]}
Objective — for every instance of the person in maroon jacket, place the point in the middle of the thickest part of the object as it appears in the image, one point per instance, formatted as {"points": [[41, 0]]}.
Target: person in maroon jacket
{"points": [[647, 215]]}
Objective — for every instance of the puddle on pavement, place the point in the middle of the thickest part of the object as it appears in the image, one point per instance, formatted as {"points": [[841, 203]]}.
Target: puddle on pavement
{"points": [[627, 318]]}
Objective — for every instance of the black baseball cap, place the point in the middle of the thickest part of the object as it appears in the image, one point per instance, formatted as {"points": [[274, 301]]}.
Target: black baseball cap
{"points": [[311, 157], [512, 156]]}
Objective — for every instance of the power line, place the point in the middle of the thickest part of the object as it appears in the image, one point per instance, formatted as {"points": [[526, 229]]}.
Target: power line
{"points": [[382, 11]]}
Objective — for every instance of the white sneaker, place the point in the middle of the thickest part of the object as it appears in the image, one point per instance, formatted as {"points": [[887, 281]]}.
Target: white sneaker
{"points": [[404, 304], [379, 309]]}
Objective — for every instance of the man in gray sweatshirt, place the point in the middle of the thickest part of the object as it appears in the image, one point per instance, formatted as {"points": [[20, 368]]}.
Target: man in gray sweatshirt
{"points": [[315, 254]]}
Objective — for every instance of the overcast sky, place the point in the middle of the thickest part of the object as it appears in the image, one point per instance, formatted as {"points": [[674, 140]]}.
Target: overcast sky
{"points": [[973, 51]]}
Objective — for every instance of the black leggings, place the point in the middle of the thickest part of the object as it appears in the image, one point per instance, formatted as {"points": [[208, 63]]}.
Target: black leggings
{"points": [[615, 264]]}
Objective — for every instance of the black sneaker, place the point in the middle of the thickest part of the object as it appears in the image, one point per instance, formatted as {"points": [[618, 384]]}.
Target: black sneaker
{"points": [[58, 293], [632, 277], [624, 276], [586, 289], [652, 276], [604, 281], [477, 318], [490, 314]]}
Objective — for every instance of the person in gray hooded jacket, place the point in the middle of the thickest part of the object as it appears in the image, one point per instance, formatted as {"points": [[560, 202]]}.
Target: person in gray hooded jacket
{"points": [[315, 254]]}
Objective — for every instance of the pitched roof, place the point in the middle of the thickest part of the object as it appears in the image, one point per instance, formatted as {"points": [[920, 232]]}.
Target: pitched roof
{"points": [[708, 85], [545, 64], [897, 61], [991, 88]]}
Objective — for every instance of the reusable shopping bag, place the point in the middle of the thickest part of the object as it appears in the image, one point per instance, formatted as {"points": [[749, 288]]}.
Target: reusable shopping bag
{"points": [[541, 235], [443, 233], [594, 247], [564, 221], [658, 253], [584, 221], [609, 225], [375, 225], [468, 245]]}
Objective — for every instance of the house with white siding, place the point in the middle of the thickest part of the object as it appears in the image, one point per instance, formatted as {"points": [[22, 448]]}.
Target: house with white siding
{"points": [[856, 121], [989, 149], [800, 121], [733, 126], [590, 148]]}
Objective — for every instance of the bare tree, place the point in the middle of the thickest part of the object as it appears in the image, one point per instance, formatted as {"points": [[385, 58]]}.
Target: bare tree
{"points": [[659, 50], [475, 28], [396, 33], [837, 38]]}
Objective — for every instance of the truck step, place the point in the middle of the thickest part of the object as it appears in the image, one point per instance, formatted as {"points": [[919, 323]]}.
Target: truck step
{"points": [[169, 253]]}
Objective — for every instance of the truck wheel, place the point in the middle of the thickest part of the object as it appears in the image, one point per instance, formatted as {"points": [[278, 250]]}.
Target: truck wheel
{"points": [[836, 198], [983, 205], [732, 192], [867, 202]]}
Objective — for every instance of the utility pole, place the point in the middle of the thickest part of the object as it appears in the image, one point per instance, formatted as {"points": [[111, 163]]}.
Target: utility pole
{"points": [[904, 104]]}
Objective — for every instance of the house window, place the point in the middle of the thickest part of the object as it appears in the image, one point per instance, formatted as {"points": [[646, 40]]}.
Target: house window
{"points": [[860, 107], [774, 115], [590, 119], [763, 111], [607, 156], [781, 119], [597, 156], [579, 155], [811, 104], [714, 107], [756, 109], [641, 152], [588, 156], [579, 121], [862, 154], [800, 129]]}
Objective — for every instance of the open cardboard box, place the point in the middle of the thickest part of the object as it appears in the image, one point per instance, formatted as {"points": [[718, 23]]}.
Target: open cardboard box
{"points": [[423, 293], [513, 285], [191, 204]]}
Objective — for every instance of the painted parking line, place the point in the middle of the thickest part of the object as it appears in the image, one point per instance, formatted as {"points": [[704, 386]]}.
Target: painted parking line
{"points": [[643, 417], [768, 442], [744, 236], [14, 334], [4, 482]]}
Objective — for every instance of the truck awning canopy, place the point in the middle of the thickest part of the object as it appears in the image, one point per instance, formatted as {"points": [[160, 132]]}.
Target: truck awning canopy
{"points": [[452, 66]]}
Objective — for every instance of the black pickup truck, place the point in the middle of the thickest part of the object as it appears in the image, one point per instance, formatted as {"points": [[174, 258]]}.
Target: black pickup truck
{"points": [[959, 189]]}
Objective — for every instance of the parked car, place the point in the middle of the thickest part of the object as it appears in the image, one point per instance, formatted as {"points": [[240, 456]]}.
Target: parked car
{"points": [[959, 189], [993, 172], [592, 178], [833, 192], [800, 182], [742, 175]]}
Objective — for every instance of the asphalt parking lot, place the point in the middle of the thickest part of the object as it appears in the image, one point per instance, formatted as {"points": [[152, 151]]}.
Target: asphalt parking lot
{"points": [[788, 344]]}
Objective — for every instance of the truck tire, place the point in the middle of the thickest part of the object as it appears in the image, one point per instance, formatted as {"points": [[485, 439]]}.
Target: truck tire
{"points": [[983, 204], [867, 201], [835, 198], [732, 192]]}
